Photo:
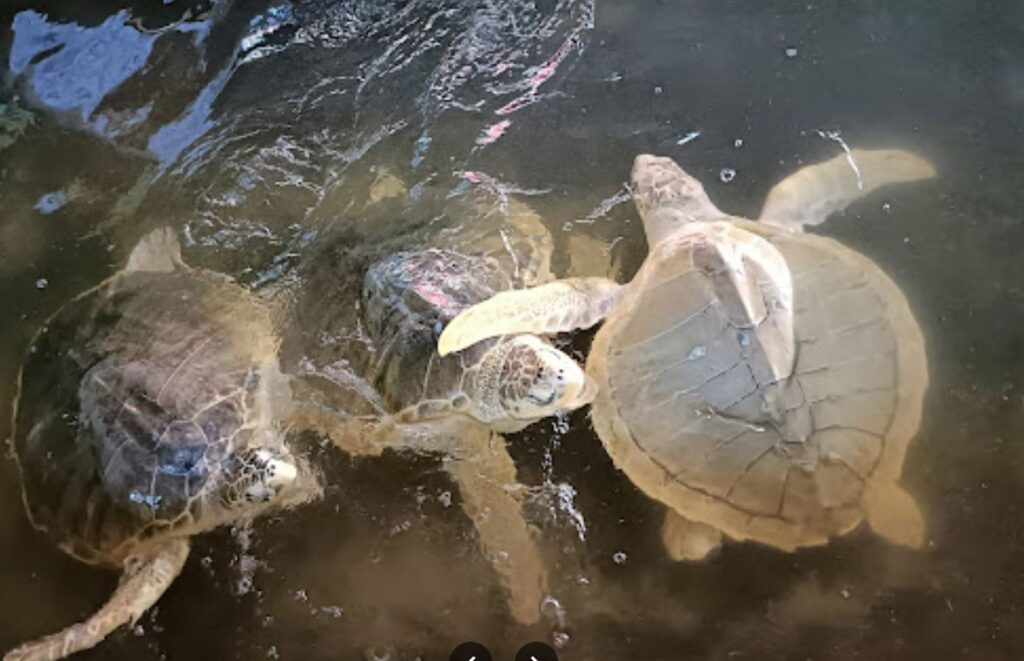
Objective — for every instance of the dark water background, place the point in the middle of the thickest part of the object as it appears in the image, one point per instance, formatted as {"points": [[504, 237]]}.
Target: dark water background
{"points": [[258, 130]]}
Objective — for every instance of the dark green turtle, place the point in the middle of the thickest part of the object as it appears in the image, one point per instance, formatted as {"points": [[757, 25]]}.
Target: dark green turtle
{"points": [[146, 414], [456, 404]]}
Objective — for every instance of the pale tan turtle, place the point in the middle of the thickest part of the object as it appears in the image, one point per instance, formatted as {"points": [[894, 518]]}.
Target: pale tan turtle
{"points": [[762, 382], [146, 413]]}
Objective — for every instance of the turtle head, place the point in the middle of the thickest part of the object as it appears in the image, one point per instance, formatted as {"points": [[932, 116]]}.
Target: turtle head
{"points": [[667, 198], [538, 380], [258, 476]]}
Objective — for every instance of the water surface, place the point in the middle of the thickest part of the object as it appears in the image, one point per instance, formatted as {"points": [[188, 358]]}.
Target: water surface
{"points": [[291, 144]]}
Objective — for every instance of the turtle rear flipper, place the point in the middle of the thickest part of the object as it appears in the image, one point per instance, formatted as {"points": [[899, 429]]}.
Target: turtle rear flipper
{"points": [[893, 514], [811, 194], [688, 540], [144, 581]]}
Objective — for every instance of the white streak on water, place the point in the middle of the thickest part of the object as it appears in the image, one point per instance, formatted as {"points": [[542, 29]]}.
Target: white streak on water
{"points": [[834, 135]]}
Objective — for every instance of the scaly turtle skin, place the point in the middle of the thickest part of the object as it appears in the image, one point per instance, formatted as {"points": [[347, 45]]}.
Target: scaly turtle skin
{"points": [[455, 404], [144, 416], [761, 382]]}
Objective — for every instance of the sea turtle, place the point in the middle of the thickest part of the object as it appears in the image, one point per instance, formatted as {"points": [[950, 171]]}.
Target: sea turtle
{"points": [[146, 414], [762, 382], [458, 405]]}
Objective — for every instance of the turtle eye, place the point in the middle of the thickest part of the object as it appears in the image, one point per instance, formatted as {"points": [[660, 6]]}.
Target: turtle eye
{"points": [[542, 401], [541, 394]]}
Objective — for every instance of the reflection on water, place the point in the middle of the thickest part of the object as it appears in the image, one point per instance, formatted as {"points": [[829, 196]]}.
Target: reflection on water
{"points": [[291, 144]]}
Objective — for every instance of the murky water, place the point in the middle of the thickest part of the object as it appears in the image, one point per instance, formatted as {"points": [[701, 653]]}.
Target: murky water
{"points": [[292, 144]]}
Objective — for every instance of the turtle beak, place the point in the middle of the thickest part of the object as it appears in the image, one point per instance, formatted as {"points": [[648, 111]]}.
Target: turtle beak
{"points": [[272, 473], [281, 474], [648, 168], [643, 161], [580, 389], [589, 390]]}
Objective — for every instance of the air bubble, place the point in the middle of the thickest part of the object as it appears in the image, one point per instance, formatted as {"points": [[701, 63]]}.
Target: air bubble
{"points": [[244, 585], [333, 611], [727, 175], [792, 52], [42, 283], [619, 557], [737, 143], [552, 609]]}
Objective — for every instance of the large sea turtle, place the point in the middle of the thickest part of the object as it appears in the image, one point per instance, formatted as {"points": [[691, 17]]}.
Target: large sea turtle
{"points": [[458, 404], [760, 381], [146, 414]]}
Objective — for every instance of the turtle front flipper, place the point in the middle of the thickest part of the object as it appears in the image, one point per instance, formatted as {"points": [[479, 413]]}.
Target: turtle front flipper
{"points": [[551, 308], [157, 252], [360, 436], [145, 579], [490, 497], [808, 196], [751, 280]]}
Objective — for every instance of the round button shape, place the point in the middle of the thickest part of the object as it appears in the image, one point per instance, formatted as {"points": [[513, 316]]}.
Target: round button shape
{"points": [[470, 652], [536, 652]]}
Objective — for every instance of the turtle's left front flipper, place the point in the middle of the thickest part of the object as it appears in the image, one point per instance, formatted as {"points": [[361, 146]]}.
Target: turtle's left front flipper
{"points": [[547, 309], [808, 196], [491, 497], [144, 581]]}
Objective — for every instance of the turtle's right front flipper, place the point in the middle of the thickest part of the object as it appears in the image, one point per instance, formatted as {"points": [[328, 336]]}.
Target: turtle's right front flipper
{"points": [[808, 196], [144, 581], [488, 489], [551, 308]]}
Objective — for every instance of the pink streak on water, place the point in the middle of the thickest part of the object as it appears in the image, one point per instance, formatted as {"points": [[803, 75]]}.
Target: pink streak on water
{"points": [[493, 132], [543, 73]]}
